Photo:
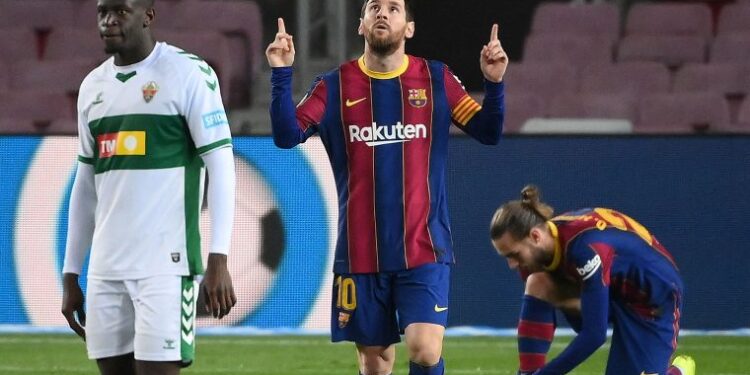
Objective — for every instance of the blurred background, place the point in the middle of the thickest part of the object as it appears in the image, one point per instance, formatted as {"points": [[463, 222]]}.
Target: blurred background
{"points": [[640, 106]]}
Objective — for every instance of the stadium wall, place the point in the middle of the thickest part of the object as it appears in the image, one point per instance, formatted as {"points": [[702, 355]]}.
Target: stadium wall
{"points": [[691, 192]]}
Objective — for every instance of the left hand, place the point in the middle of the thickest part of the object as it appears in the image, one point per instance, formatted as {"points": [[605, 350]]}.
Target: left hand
{"points": [[493, 59], [217, 286]]}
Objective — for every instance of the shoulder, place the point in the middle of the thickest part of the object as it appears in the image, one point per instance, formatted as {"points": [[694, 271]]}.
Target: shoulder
{"points": [[96, 74], [185, 63]]}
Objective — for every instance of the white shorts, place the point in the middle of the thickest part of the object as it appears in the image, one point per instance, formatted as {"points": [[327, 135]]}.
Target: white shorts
{"points": [[154, 318]]}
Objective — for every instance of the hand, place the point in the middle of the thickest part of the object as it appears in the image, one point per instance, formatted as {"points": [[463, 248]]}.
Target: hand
{"points": [[281, 51], [217, 287], [493, 59], [72, 304]]}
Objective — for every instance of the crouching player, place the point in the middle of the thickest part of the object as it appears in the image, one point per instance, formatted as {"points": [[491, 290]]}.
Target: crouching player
{"points": [[597, 266]]}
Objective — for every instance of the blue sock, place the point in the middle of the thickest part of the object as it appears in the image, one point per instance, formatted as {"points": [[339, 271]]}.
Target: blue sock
{"points": [[436, 369], [536, 329]]}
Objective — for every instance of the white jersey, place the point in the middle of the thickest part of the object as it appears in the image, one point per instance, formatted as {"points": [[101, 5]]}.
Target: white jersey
{"points": [[143, 128]]}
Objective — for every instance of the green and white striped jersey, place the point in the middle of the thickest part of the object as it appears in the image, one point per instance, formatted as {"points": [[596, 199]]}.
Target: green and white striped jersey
{"points": [[143, 128]]}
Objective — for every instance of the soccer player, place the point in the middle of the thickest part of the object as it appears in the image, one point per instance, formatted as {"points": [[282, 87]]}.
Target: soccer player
{"points": [[384, 120], [149, 119], [596, 265]]}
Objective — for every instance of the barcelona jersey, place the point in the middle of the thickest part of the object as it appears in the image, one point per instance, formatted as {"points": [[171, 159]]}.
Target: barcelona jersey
{"points": [[627, 278], [386, 135]]}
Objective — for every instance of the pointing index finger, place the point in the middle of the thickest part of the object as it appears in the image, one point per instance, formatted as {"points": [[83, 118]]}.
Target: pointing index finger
{"points": [[282, 29], [493, 33]]}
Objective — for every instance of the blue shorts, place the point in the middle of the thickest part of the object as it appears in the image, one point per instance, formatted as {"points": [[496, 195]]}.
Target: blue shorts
{"points": [[373, 309], [643, 345]]}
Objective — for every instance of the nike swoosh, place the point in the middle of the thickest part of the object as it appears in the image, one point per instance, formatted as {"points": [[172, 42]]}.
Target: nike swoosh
{"points": [[440, 309], [350, 102]]}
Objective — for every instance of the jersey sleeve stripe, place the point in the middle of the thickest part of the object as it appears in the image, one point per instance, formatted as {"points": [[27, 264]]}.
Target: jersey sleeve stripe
{"points": [[473, 109], [462, 105], [212, 146], [86, 160]]}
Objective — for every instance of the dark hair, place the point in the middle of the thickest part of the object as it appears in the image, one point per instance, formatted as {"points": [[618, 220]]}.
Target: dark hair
{"points": [[518, 217], [407, 9]]}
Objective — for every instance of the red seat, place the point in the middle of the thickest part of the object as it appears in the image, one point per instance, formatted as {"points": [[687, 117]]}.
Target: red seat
{"points": [[61, 76], [17, 126], [671, 50], [743, 117], [683, 113], [734, 18], [731, 48], [632, 78], [581, 19], [37, 14], [40, 106], [61, 127], [669, 19], [566, 49], [601, 106], [541, 79], [18, 44], [724, 78], [75, 44], [520, 107]]}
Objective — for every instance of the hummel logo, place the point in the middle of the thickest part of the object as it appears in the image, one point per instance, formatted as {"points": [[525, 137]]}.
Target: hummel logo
{"points": [[98, 99], [350, 102], [440, 309]]}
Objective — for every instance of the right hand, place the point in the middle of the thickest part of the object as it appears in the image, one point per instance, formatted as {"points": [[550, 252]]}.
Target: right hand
{"points": [[72, 304], [281, 51]]}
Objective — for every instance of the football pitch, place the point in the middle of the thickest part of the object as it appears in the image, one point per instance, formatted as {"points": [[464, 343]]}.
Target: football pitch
{"points": [[270, 355]]}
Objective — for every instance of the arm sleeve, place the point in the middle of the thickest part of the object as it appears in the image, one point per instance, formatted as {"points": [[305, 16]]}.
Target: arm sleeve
{"points": [[292, 126], [221, 187], [483, 123], [594, 311], [204, 110], [80, 219]]}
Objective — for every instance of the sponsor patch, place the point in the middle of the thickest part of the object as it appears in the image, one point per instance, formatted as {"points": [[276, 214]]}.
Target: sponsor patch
{"points": [[417, 97], [589, 269], [215, 118], [121, 143]]}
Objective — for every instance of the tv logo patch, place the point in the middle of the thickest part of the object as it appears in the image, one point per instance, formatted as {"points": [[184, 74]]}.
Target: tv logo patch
{"points": [[121, 143], [215, 118]]}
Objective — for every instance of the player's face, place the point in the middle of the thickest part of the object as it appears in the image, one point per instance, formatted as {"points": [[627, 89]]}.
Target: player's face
{"points": [[384, 26], [528, 254], [122, 24]]}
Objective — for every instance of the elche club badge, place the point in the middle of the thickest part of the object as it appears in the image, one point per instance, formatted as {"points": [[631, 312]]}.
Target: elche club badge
{"points": [[149, 91]]}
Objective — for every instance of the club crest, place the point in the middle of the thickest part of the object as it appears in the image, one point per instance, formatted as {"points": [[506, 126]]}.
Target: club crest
{"points": [[149, 91], [418, 97]]}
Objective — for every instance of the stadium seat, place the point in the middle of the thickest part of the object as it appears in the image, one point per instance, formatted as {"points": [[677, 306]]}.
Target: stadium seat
{"points": [[61, 127], [36, 105], [632, 78], [210, 45], [724, 78], [542, 79], [75, 44], [4, 78], [566, 49], [519, 108], [683, 113], [743, 117], [18, 126], [734, 18], [18, 44], [582, 19], [671, 50], [733, 47], [37, 14], [63, 76], [669, 18], [599, 106]]}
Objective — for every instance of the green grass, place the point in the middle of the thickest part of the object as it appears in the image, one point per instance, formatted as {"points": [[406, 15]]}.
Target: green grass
{"points": [[63, 354]]}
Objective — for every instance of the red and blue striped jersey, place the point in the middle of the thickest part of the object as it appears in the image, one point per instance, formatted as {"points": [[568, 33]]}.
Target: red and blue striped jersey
{"points": [[613, 258], [386, 135]]}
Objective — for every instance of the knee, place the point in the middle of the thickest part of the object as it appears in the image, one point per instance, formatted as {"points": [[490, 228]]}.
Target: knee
{"points": [[376, 360], [425, 352], [540, 286]]}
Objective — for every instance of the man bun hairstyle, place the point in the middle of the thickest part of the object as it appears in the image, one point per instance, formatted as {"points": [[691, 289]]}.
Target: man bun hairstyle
{"points": [[519, 216]]}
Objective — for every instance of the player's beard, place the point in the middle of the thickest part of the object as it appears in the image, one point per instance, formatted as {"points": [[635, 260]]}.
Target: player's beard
{"points": [[387, 45]]}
